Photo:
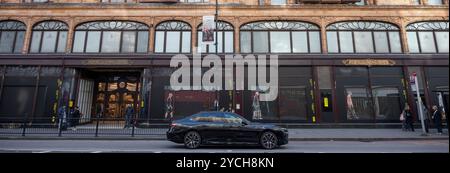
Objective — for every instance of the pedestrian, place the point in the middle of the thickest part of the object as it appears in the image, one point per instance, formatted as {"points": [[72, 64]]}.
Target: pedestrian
{"points": [[409, 120], [128, 116], [62, 117], [437, 119], [75, 117], [169, 106]]}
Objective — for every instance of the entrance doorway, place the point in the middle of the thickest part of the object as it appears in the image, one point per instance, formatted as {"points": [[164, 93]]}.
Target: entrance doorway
{"points": [[114, 92]]}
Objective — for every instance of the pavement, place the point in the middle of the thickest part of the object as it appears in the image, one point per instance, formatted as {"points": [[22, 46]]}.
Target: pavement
{"points": [[295, 134]]}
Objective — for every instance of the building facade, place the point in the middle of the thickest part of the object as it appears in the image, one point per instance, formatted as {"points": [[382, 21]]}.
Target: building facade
{"points": [[340, 61]]}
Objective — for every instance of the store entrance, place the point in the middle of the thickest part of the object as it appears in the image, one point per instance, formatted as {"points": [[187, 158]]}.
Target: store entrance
{"points": [[114, 92]]}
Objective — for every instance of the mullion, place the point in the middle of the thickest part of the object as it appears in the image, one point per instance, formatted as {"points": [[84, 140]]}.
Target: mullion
{"points": [[388, 36], [353, 41], [14, 42], [56, 43], [291, 41], [136, 41], [419, 42], [85, 40], [180, 50], [268, 41], [435, 42], [338, 41], [120, 42], [307, 42], [374, 43], [40, 41], [101, 42]]}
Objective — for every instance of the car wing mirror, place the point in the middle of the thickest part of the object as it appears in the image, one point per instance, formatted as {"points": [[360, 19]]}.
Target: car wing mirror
{"points": [[244, 123]]}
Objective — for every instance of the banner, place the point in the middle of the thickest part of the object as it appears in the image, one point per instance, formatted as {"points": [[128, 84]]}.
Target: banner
{"points": [[209, 26]]}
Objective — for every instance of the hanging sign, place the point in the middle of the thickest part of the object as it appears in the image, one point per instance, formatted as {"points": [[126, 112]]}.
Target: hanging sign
{"points": [[208, 29]]}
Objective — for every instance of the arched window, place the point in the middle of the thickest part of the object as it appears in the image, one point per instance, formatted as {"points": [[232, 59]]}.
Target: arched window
{"points": [[49, 37], [12, 34], [363, 37], [111, 37], [225, 39], [280, 37], [173, 37], [428, 37]]}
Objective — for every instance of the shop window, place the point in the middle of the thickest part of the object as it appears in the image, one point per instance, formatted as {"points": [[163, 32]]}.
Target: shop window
{"points": [[428, 37], [435, 2], [111, 37], [173, 37], [280, 37], [12, 34], [363, 37]]}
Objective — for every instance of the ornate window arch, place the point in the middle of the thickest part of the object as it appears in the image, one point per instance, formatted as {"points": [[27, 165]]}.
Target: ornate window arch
{"points": [[111, 37], [428, 37], [173, 37], [12, 36], [363, 37], [225, 38], [49, 37], [280, 37]]}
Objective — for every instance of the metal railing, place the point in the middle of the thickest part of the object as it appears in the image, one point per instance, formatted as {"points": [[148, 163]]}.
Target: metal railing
{"points": [[82, 127]]}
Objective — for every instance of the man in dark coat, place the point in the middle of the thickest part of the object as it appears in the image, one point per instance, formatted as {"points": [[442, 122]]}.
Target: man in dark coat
{"points": [[75, 117], [129, 112], [437, 118]]}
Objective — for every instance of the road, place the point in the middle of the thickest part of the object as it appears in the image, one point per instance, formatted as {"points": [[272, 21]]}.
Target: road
{"points": [[156, 146]]}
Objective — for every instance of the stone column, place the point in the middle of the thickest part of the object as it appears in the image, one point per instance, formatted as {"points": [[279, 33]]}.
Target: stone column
{"points": [[28, 32], [237, 41], [403, 36], [194, 35], [70, 36], [323, 36], [151, 36]]}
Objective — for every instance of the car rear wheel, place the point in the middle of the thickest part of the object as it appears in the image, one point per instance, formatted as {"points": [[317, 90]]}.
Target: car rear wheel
{"points": [[269, 140], [192, 140]]}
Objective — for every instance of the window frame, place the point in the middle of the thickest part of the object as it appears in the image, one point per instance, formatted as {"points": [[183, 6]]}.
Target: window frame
{"points": [[417, 30], [290, 31], [372, 31], [18, 27], [142, 27], [181, 24], [224, 28], [43, 30]]}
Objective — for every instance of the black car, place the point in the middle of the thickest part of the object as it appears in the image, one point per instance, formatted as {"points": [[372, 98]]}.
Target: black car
{"points": [[219, 128]]}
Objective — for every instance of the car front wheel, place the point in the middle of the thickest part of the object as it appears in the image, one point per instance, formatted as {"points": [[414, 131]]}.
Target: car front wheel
{"points": [[269, 140], [192, 140]]}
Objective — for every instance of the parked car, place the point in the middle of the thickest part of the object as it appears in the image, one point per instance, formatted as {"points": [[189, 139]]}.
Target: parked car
{"points": [[225, 128]]}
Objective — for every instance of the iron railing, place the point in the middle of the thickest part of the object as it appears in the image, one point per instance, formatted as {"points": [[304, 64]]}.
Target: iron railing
{"points": [[84, 127]]}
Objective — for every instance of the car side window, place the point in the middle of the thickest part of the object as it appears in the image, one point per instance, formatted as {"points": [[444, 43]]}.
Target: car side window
{"points": [[230, 118]]}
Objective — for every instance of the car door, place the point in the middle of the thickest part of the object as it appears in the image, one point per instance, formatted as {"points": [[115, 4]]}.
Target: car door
{"points": [[240, 132], [212, 127]]}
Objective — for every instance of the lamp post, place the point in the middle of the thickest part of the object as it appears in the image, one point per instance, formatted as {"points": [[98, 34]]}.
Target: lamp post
{"points": [[217, 20]]}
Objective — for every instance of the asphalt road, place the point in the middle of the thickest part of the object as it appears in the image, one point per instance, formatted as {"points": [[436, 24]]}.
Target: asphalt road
{"points": [[140, 146]]}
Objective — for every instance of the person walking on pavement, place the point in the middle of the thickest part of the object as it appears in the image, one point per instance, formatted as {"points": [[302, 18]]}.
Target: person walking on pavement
{"points": [[75, 117], [128, 116], [437, 119], [409, 121], [62, 116]]}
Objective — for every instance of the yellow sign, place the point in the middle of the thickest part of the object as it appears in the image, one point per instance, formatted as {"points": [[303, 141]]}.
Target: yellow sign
{"points": [[70, 104], [325, 102], [369, 62], [142, 104], [314, 119]]}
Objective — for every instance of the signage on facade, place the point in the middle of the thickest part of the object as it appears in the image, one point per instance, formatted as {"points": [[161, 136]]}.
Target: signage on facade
{"points": [[107, 62], [208, 27], [369, 62]]}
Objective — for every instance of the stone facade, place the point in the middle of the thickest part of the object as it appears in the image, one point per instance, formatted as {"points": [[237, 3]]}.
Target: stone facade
{"points": [[398, 12]]}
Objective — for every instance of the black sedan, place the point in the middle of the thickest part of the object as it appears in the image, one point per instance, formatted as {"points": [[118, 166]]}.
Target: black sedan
{"points": [[219, 128]]}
